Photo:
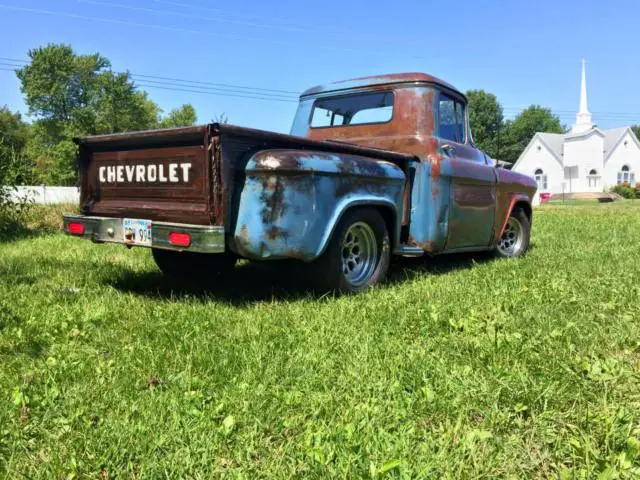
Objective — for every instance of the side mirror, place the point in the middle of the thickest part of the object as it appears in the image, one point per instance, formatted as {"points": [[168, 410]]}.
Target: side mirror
{"points": [[490, 161]]}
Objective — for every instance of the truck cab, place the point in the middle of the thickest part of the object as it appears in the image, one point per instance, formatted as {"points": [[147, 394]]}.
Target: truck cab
{"points": [[372, 167], [423, 116]]}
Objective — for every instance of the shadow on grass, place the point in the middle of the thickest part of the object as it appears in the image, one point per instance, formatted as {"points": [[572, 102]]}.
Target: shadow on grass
{"points": [[258, 282], [407, 268], [12, 231]]}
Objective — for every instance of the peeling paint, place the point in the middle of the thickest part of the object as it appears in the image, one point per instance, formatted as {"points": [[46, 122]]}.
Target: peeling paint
{"points": [[271, 162], [288, 212]]}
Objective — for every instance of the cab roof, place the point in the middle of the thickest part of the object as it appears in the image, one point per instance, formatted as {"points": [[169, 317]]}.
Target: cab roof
{"points": [[377, 80]]}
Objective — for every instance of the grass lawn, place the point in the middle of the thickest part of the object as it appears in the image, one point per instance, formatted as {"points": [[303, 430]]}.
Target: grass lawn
{"points": [[463, 367]]}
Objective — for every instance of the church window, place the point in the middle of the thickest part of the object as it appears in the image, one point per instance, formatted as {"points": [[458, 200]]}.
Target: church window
{"points": [[593, 179], [625, 175], [541, 179]]}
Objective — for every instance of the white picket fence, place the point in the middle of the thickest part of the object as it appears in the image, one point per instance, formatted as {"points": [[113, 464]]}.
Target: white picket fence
{"points": [[44, 194]]}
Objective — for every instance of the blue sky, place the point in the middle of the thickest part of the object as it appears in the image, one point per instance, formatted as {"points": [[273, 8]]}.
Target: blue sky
{"points": [[524, 52]]}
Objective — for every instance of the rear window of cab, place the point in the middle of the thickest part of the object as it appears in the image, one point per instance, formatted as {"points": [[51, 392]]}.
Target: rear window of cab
{"points": [[356, 109]]}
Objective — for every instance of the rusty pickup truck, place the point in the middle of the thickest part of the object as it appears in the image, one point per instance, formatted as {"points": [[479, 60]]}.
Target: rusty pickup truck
{"points": [[373, 167]]}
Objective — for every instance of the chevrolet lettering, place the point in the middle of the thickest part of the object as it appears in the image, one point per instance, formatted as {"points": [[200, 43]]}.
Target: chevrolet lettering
{"points": [[373, 168], [170, 173]]}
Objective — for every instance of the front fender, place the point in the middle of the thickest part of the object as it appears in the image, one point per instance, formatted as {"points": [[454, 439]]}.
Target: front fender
{"points": [[503, 214], [292, 200]]}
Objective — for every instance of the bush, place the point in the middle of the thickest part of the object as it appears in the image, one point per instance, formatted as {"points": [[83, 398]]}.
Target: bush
{"points": [[627, 191], [13, 207], [44, 219], [13, 212]]}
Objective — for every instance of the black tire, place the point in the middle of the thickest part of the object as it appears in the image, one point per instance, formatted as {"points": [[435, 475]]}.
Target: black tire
{"points": [[327, 270], [191, 266], [517, 234]]}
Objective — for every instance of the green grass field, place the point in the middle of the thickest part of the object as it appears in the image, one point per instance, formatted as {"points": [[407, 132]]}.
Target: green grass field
{"points": [[465, 367]]}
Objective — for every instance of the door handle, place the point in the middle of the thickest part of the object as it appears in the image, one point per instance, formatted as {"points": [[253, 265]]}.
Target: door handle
{"points": [[448, 149]]}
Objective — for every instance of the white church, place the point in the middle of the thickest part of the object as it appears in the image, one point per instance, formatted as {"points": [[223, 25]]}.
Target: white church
{"points": [[586, 159]]}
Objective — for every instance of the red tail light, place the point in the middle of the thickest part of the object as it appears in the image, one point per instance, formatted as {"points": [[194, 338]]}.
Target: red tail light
{"points": [[180, 239], [75, 228]]}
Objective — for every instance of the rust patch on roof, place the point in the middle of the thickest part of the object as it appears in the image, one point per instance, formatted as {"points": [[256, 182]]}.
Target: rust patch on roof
{"points": [[371, 81]]}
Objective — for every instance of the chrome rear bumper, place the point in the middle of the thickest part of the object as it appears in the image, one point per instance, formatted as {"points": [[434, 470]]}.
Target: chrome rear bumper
{"points": [[204, 238]]}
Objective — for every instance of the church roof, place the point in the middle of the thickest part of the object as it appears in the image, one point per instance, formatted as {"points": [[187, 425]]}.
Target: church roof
{"points": [[571, 134], [554, 141], [612, 137]]}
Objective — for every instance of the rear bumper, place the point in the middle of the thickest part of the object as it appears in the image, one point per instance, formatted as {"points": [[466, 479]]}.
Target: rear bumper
{"points": [[204, 238]]}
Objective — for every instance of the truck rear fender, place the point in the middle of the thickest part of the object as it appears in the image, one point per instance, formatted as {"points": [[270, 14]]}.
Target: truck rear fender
{"points": [[385, 207], [292, 200]]}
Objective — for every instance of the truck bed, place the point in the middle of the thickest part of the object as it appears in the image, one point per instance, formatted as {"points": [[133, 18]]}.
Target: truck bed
{"points": [[188, 175]]}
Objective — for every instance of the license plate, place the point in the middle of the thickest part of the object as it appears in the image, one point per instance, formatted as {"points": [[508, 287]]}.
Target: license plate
{"points": [[137, 231]]}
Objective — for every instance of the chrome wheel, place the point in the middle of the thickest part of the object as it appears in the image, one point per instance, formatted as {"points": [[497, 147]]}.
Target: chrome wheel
{"points": [[359, 253], [512, 238]]}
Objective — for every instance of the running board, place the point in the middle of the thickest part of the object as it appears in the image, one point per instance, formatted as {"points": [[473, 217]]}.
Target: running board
{"points": [[408, 251]]}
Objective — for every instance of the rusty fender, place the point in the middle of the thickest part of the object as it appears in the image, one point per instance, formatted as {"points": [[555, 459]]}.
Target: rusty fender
{"points": [[292, 200], [514, 189]]}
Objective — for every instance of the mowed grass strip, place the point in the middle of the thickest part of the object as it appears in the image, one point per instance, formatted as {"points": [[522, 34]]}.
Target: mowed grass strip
{"points": [[460, 367]]}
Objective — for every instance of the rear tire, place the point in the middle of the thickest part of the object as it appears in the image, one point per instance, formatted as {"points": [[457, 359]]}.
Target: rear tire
{"points": [[357, 256], [516, 236], [191, 266]]}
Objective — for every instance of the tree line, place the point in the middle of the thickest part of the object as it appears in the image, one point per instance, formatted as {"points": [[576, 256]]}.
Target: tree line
{"points": [[70, 95]]}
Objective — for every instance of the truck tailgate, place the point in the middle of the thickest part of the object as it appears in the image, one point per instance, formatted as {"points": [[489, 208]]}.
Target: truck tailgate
{"points": [[162, 175]]}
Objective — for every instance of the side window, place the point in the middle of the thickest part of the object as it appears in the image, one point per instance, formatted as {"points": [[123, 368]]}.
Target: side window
{"points": [[451, 123]]}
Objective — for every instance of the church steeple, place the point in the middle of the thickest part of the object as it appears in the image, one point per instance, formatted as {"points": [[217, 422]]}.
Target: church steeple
{"points": [[583, 118]]}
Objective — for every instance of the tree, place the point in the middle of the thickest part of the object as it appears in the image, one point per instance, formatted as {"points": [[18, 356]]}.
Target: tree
{"points": [[120, 107], [75, 95], [636, 130], [60, 85], [13, 130], [183, 116], [518, 133], [485, 117], [14, 134], [53, 157]]}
